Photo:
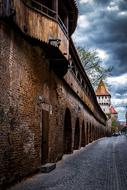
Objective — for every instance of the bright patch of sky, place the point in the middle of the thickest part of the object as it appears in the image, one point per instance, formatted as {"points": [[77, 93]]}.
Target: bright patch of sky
{"points": [[83, 21], [85, 1], [102, 54]]}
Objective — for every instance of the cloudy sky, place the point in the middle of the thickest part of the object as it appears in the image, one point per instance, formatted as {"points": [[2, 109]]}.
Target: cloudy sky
{"points": [[102, 25]]}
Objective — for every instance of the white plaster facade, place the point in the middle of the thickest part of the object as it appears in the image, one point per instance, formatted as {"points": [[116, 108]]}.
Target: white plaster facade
{"points": [[104, 102]]}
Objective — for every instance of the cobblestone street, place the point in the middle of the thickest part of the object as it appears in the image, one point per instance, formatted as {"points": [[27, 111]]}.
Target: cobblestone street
{"points": [[101, 165]]}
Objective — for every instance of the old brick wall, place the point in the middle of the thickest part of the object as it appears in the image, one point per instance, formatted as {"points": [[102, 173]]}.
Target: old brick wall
{"points": [[24, 76], [67, 99], [5, 139], [26, 80]]}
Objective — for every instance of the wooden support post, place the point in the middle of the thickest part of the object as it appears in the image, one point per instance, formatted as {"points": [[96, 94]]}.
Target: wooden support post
{"points": [[66, 21], [55, 6]]}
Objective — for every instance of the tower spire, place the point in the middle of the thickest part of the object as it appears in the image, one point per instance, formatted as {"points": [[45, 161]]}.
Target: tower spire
{"points": [[102, 90]]}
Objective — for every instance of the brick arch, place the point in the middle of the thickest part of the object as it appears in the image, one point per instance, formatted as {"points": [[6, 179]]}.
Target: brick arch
{"points": [[96, 130], [77, 135], [90, 131], [67, 132], [93, 132], [83, 136], [87, 132]]}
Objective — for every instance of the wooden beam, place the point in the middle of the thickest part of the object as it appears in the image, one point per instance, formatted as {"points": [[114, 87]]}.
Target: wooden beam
{"points": [[55, 5]]}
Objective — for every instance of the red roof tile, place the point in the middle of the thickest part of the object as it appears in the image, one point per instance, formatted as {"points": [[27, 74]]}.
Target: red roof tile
{"points": [[112, 110], [101, 89]]}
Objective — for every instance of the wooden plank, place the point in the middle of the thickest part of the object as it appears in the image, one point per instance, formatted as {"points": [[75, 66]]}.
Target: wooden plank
{"points": [[37, 23]]}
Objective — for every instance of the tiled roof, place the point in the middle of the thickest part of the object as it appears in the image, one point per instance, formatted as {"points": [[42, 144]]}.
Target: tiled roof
{"points": [[101, 89], [112, 110]]}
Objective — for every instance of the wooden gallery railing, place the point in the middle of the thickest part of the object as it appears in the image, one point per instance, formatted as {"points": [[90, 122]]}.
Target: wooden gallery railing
{"points": [[39, 7]]}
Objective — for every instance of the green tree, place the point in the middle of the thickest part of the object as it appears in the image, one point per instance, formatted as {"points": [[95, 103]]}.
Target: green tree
{"points": [[93, 66]]}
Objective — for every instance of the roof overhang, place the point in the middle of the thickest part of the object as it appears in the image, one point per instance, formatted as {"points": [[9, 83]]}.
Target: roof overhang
{"points": [[58, 62]]}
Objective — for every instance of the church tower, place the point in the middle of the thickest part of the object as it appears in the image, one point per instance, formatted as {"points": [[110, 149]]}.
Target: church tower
{"points": [[103, 97]]}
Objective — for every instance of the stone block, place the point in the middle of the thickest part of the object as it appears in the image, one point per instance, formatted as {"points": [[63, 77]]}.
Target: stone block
{"points": [[47, 167]]}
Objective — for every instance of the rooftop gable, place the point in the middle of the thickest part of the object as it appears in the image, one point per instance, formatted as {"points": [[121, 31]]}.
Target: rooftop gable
{"points": [[102, 90]]}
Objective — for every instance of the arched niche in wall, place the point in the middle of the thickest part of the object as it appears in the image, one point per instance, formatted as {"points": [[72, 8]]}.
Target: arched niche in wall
{"points": [[77, 135], [67, 132], [83, 136]]}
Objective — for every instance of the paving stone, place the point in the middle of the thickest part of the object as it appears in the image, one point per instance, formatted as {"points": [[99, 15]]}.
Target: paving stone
{"points": [[100, 166]]}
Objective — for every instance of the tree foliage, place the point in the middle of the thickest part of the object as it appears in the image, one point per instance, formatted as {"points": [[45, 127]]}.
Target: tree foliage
{"points": [[93, 66]]}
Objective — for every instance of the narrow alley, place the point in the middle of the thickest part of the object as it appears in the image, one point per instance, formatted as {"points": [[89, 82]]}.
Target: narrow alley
{"points": [[100, 165]]}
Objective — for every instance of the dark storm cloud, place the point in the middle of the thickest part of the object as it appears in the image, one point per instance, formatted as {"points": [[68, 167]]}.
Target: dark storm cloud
{"points": [[107, 30], [123, 5], [119, 90], [102, 25], [102, 2]]}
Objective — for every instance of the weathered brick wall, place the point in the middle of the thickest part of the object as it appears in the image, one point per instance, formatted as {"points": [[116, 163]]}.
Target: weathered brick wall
{"points": [[66, 99], [25, 76], [5, 138]]}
